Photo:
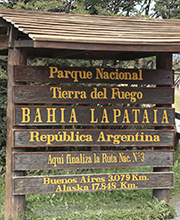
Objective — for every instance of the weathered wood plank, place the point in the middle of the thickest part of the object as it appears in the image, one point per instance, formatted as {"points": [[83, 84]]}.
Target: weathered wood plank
{"points": [[24, 43], [90, 137], [77, 29], [92, 75], [105, 40], [68, 115], [92, 160], [163, 61], [92, 182], [4, 41], [89, 94], [126, 47], [102, 32], [14, 205]]}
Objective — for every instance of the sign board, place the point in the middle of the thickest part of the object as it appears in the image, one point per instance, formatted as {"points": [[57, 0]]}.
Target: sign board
{"points": [[92, 182], [92, 160], [95, 137], [88, 106], [92, 94], [68, 115]]}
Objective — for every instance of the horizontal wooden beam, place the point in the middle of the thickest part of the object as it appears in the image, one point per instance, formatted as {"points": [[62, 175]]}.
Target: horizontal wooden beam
{"points": [[24, 43], [86, 54], [169, 47], [56, 53]]}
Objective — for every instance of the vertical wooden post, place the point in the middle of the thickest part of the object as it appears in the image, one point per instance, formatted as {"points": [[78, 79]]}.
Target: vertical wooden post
{"points": [[163, 61], [14, 205]]}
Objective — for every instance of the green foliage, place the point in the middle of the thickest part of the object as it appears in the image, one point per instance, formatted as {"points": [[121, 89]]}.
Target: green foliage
{"points": [[138, 8], [80, 8], [53, 6], [102, 11], [176, 62], [3, 103], [167, 9], [152, 210], [2, 194], [97, 7], [176, 169]]}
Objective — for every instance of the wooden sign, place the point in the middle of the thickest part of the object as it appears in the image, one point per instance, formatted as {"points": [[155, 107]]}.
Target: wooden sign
{"points": [[92, 160], [92, 182], [89, 94], [92, 75], [68, 115], [89, 137]]}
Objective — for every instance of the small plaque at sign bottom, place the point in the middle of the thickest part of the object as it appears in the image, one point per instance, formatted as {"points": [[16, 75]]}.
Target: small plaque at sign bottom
{"points": [[92, 182]]}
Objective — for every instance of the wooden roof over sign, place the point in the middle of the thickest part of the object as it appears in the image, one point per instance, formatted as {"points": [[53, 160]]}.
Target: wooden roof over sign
{"points": [[60, 35]]}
